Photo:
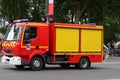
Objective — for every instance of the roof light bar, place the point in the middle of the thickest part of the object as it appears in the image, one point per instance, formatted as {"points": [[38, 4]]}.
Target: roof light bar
{"points": [[20, 20]]}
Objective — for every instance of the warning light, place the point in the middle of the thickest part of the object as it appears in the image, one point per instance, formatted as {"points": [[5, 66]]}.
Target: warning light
{"points": [[20, 20]]}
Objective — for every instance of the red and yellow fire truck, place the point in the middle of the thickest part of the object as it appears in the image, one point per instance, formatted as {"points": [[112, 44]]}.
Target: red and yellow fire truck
{"points": [[35, 44]]}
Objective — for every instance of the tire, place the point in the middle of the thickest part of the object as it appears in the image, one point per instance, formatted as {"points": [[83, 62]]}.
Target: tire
{"points": [[37, 64], [19, 66], [64, 65], [84, 63]]}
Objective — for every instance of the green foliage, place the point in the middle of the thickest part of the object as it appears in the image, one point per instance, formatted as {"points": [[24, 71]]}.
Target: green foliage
{"points": [[111, 20], [101, 12], [36, 9], [3, 30], [14, 9], [70, 10], [61, 11]]}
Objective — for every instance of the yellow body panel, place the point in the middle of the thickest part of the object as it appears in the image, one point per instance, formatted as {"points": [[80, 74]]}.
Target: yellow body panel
{"points": [[91, 40], [67, 40]]}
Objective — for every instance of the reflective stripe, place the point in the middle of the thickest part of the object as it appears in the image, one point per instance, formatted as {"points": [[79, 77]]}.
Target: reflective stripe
{"points": [[78, 53], [35, 46]]}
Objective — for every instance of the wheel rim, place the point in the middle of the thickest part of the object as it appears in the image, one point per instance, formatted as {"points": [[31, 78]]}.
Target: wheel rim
{"points": [[36, 63], [83, 63]]}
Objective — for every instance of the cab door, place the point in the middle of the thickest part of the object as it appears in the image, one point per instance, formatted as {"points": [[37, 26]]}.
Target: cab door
{"points": [[36, 39], [29, 42]]}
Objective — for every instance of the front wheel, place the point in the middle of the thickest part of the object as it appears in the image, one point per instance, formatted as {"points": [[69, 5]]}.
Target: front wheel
{"points": [[84, 63], [37, 64]]}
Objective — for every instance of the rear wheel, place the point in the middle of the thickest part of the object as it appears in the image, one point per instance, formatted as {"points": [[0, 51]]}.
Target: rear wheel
{"points": [[84, 63], [37, 64]]}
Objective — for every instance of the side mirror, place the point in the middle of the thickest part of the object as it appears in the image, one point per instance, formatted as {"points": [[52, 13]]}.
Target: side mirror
{"points": [[26, 38]]}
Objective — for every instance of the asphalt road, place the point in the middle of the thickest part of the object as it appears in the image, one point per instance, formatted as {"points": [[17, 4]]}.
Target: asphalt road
{"points": [[108, 70]]}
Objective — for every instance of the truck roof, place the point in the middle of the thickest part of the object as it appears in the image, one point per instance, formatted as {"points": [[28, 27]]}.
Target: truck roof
{"points": [[78, 25], [60, 25], [31, 24]]}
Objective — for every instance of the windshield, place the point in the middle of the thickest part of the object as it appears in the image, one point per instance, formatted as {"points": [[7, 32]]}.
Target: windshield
{"points": [[13, 33]]}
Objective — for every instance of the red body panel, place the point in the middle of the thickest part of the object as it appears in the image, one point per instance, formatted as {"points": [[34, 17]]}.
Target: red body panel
{"points": [[43, 36], [11, 48], [52, 39], [40, 45], [93, 58]]}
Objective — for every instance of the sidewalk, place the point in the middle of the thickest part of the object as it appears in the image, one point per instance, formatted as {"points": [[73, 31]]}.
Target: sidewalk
{"points": [[113, 59]]}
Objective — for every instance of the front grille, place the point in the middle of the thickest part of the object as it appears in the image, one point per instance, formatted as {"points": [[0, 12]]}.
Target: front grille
{"points": [[8, 51]]}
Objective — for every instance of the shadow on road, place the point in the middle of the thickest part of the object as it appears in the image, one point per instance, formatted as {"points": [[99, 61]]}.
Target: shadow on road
{"points": [[54, 69]]}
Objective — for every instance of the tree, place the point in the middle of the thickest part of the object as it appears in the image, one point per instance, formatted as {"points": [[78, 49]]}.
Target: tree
{"points": [[111, 20], [106, 13], [61, 11], [71, 10], [36, 9], [101, 12], [14, 9]]}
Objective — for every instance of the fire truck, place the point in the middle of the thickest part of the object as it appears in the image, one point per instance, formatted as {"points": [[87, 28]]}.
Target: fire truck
{"points": [[36, 44]]}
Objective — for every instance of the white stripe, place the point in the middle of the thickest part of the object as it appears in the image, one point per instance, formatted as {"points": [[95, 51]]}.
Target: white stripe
{"points": [[50, 1]]}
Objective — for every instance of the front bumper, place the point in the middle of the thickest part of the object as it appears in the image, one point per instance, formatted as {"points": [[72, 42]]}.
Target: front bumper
{"points": [[15, 60]]}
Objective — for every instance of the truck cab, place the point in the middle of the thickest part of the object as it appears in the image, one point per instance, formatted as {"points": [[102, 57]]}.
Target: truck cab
{"points": [[23, 41]]}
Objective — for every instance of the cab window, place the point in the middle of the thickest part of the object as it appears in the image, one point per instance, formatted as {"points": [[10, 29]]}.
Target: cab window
{"points": [[30, 33]]}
